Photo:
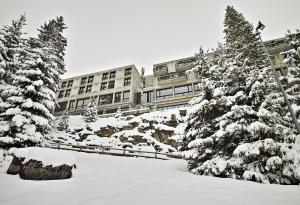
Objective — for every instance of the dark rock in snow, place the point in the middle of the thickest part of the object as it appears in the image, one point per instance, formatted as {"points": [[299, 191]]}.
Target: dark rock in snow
{"points": [[34, 170]]}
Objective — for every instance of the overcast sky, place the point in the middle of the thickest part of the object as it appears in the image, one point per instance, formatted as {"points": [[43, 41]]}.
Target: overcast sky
{"points": [[104, 34]]}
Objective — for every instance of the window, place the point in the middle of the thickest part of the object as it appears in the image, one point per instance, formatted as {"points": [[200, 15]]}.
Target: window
{"points": [[127, 81], [128, 71], [124, 109], [67, 94], [104, 76], [137, 98], [164, 93], [88, 89], [183, 90], [105, 99], [100, 112], [81, 90], [168, 107], [147, 97], [91, 79], [196, 87], [63, 84], [117, 97], [111, 84], [83, 81], [111, 111], [126, 96], [70, 83], [71, 104], [103, 86], [61, 94], [112, 75], [82, 103]]}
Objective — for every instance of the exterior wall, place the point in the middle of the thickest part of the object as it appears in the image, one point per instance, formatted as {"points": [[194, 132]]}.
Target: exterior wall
{"points": [[167, 84]]}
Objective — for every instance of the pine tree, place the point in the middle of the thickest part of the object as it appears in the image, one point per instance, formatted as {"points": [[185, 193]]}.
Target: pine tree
{"points": [[63, 123], [11, 43], [231, 131], [90, 114], [51, 34], [26, 110]]}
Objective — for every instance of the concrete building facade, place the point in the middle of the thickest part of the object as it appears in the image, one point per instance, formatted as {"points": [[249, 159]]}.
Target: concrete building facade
{"points": [[125, 88]]}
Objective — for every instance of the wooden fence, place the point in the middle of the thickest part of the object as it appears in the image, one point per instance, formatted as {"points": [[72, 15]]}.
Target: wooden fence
{"points": [[113, 151]]}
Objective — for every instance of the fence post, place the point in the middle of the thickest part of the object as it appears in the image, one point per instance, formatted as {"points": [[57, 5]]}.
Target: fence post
{"points": [[155, 154], [80, 148], [124, 151], [57, 146]]}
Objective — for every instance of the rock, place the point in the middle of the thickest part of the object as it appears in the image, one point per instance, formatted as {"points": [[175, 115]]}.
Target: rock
{"points": [[106, 131], [34, 170]]}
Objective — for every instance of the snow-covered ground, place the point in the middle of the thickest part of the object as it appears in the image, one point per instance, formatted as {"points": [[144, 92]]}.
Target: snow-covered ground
{"points": [[110, 180]]}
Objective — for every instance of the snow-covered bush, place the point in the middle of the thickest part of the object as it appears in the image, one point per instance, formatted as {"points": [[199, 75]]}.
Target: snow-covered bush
{"points": [[91, 112]]}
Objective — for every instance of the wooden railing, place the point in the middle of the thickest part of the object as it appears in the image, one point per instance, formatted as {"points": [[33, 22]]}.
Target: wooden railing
{"points": [[113, 151]]}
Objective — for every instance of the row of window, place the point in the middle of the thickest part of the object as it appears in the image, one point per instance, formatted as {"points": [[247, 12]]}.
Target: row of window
{"points": [[178, 91], [85, 89], [102, 100], [105, 76]]}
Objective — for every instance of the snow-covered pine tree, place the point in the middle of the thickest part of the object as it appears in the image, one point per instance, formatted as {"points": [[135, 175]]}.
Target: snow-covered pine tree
{"points": [[51, 34], [231, 133], [63, 122], [90, 114], [292, 79], [27, 109], [11, 42]]}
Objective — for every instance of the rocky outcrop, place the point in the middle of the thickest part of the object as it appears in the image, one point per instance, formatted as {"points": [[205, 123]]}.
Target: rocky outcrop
{"points": [[34, 170]]}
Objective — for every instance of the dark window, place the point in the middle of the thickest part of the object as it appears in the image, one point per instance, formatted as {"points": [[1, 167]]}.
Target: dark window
{"points": [[147, 97], [70, 83], [111, 84], [105, 99], [81, 90], [164, 93], [128, 71], [63, 84], [196, 87], [104, 76], [61, 106], [103, 86], [91, 79], [111, 111], [61, 94], [117, 97], [100, 112], [124, 108], [112, 75], [168, 107], [127, 81], [88, 89], [71, 104], [183, 90], [126, 96], [67, 94], [138, 98], [83, 81], [82, 103]]}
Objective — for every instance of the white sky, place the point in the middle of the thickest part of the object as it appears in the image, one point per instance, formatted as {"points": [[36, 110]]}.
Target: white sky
{"points": [[104, 34]]}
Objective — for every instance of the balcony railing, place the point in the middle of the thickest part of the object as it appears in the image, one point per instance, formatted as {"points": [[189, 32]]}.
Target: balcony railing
{"points": [[172, 78], [184, 65]]}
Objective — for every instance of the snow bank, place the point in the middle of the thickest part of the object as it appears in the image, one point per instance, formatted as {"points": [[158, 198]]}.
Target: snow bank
{"points": [[45, 155]]}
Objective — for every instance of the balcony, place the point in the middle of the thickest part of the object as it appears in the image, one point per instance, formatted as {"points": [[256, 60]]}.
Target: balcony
{"points": [[185, 64], [172, 78], [160, 70]]}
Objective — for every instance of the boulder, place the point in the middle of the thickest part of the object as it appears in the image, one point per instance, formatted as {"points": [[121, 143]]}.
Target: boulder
{"points": [[34, 170]]}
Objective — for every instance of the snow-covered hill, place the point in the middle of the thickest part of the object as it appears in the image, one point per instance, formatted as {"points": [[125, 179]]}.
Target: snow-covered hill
{"points": [[155, 131], [110, 180]]}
